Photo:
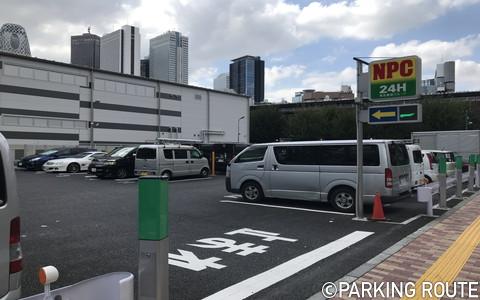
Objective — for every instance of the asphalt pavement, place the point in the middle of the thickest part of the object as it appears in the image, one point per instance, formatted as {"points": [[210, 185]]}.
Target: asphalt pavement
{"points": [[219, 245]]}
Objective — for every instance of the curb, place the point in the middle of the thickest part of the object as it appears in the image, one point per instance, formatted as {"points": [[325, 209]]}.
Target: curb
{"points": [[372, 263]]}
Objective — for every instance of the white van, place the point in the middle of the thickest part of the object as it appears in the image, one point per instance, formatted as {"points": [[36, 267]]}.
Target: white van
{"points": [[416, 164], [10, 249], [320, 171], [170, 160]]}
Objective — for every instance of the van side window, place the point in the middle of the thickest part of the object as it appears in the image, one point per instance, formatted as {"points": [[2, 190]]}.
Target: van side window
{"points": [[3, 184], [180, 154], [417, 156], [296, 155], [147, 153], [346, 155], [168, 153], [398, 154], [194, 154], [252, 154]]}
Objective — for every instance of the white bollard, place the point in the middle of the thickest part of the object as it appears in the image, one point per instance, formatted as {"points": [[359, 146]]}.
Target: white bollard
{"points": [[424, 194], [477, 175], [471, 177]]}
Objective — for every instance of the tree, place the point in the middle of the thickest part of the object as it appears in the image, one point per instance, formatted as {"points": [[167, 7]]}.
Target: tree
{"points": [[267, 124]]}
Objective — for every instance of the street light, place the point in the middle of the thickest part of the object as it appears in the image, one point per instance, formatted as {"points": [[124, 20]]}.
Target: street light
{"points": [[238, 129]]}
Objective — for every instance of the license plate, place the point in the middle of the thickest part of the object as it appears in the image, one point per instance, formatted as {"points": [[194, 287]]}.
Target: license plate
{"points": [[94, 170], [143, 173]]}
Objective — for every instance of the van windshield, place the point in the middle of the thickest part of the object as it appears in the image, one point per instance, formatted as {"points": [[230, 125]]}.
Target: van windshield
{"points": [[122, 152], [398, 154]]}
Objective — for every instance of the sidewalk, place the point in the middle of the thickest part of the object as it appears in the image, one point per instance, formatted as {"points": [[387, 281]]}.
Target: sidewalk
{"points": [[447, 251]]}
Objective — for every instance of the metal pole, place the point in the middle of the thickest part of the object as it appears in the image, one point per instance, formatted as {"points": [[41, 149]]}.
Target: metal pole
{"points": [[358, 108], [471, 172], [459, 164], [477, 176]]}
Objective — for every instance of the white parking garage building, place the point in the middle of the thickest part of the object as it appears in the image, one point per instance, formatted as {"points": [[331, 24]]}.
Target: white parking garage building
{"points": [[46, 104]]}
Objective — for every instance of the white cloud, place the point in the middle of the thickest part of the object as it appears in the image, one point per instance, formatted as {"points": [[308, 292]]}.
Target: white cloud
{"points": [[331, 81], [467, 75], [203, 77], [431, 52], [329, 59], [278, 95], [277, 73]]}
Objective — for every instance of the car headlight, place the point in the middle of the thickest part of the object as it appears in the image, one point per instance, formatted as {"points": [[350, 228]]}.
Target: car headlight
{"points": [[110, 162]]}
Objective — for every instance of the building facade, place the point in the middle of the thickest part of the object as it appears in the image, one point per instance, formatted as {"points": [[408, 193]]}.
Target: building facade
{"points": [[247, 77], [13, 39], [45, 104], [145, 67], [222, 82], [120, 51], [85, 50], [169, 57]]}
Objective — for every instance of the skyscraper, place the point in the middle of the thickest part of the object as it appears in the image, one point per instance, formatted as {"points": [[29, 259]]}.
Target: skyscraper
{"points": [[13, 39], [169, 57], [120, 51], [247, 77], [85, 50], [144, 67]]}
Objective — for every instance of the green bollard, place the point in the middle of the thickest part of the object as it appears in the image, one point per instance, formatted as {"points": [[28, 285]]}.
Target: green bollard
{"points": [[442, 181], [153, 238]]}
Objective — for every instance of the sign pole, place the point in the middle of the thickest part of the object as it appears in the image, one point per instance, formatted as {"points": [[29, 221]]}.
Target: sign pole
{"points": [[358, 109]]}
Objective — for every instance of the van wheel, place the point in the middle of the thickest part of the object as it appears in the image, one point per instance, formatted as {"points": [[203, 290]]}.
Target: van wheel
{"points": [[167, 174], [343, 199], [73, 168], [252, 192], [122, 173], [204, 173]]}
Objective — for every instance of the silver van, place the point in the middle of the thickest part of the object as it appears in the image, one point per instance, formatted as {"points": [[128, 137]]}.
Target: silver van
{"points": [[320, 171], [10, 249], [170, 160]]}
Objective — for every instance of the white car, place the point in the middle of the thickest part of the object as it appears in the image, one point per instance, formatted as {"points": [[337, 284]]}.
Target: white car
{"points": [[74, 164], [430, 161]]}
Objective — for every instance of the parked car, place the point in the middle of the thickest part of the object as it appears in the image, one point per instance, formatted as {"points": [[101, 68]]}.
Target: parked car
{"points": [[430, 161], [10, 248], [171, 161], [74, 164], [416, 165], [36, 161], [119, 163], [320, 171]]}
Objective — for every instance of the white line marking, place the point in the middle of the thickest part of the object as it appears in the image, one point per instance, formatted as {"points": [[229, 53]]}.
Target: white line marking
{"points": [[254, 284], [90, 176], [126, 179], [233, 196], [192, 179], [288, 207]]}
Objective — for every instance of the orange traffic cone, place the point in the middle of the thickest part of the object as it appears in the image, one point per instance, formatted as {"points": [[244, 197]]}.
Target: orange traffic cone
{"points": [[377, 214]]}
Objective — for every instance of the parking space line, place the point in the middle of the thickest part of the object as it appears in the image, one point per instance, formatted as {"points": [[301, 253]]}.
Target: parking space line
{"points": [[270, 277], [233, 196], [90, 176], [126, 179], [191, 179], [288, 207]]}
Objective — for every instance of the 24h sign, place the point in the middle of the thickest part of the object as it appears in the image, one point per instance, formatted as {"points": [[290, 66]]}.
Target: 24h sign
{"points": [[395, 79]]}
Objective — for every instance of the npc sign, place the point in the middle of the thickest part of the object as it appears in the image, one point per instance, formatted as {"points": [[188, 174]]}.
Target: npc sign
{"points": [[395, 79]]}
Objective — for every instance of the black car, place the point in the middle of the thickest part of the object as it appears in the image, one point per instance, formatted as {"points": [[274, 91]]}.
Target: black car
{"points": [[36, 161], [119, 163]]}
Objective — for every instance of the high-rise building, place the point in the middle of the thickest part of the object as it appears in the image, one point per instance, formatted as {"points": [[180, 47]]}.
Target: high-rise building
{"points": [[144, 67], [120, 51], [85, 50], [247, 77], [222, 82], [13, 39], [169, 57]]}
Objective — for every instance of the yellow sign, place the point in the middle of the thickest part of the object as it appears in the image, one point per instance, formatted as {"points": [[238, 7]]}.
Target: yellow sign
{"points": [[384, 114], [399, 69]]}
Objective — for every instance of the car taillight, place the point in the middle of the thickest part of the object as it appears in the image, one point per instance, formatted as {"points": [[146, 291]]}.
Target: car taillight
{"points": [[388, 178], [15, 248], [430, 160]]}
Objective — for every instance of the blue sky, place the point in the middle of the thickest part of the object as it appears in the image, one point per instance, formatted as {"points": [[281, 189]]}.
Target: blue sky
{"points": [[305, 44]]}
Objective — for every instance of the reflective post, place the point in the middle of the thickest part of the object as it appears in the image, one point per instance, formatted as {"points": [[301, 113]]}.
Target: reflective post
{"points": [[459, 165], [153, 238], [213, 163], [442, 180], [471, 171]]}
